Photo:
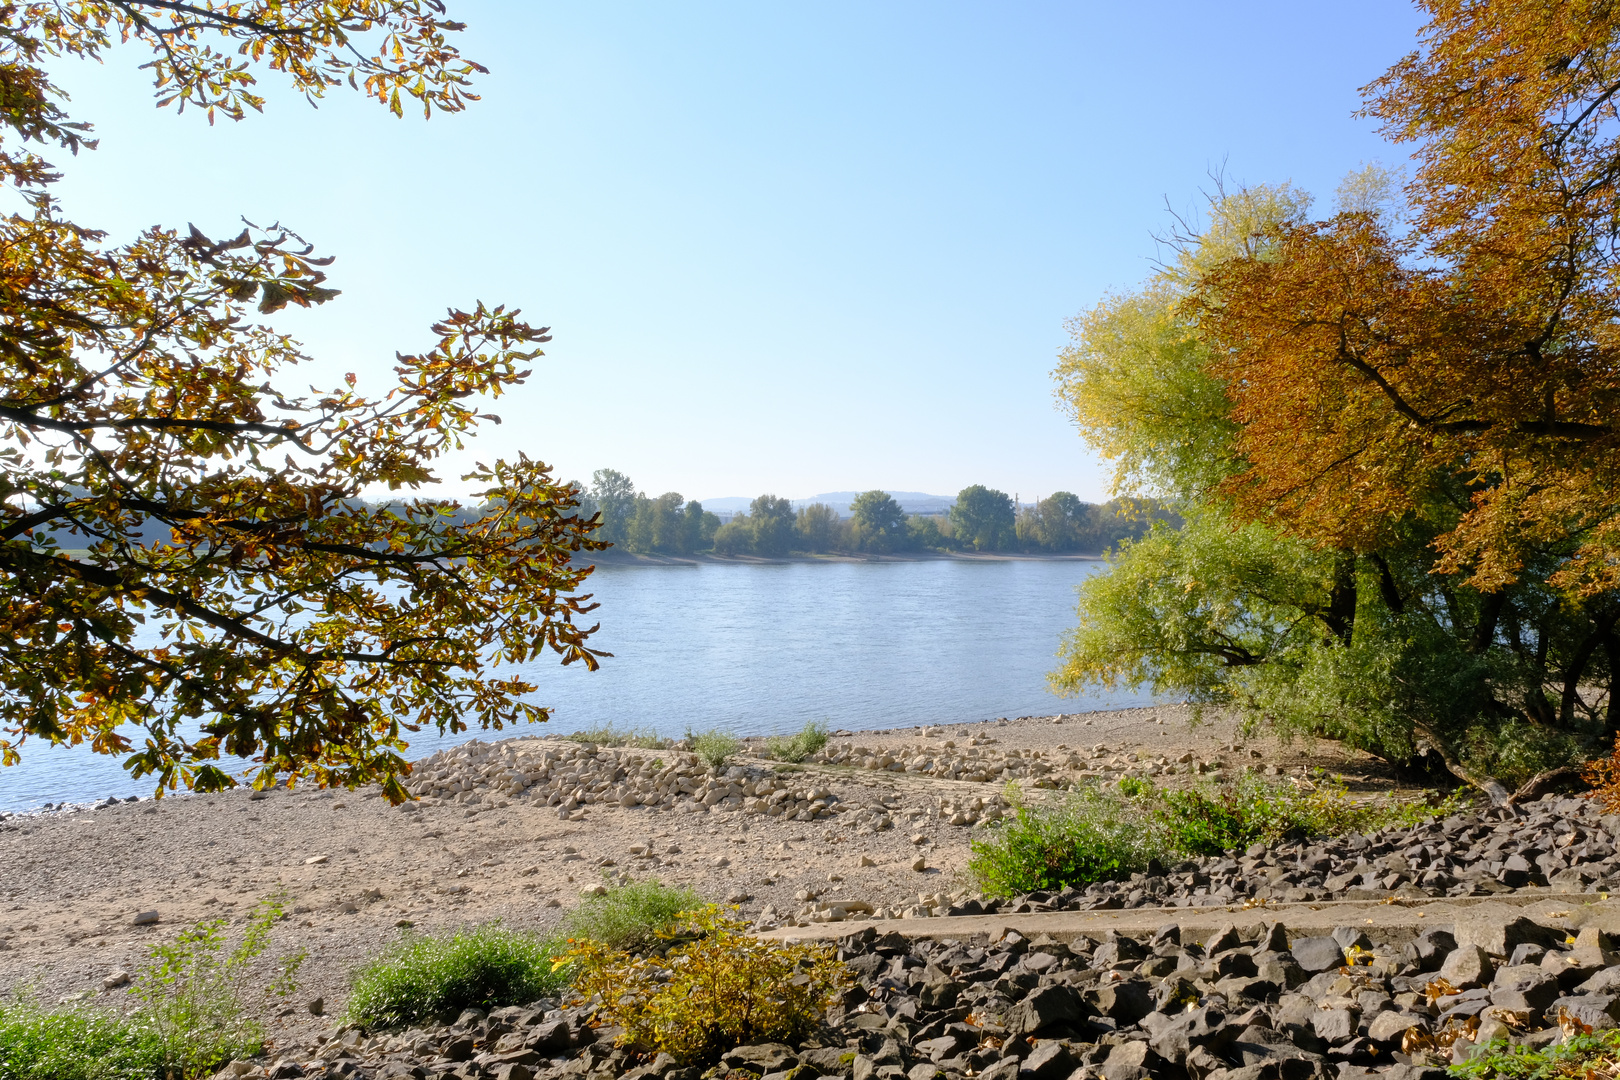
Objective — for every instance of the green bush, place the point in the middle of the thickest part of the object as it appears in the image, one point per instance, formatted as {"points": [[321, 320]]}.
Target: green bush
{"points": [[629, 916], [427, 976], [714, 747], [1093, 835], [76, 1043], [1100, 834], [795, 749]]}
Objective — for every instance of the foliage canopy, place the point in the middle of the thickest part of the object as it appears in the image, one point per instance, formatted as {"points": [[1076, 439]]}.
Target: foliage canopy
{"points": [[1393, 430], [183, 541]]}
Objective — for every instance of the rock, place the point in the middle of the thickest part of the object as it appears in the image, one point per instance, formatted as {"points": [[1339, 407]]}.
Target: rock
{"points": [[1524, 988], [315, 860], [1126, 1001], [1466, 967], [1174, 1037], [1387, 1028], [1132, 1061], [867, 860], [1225, 938], [919, 864], [769, 1057], [316, 1006], [1501, 938], [593, 890], [1335, 1026], [1317, 954], [115, 980], [1348, 938], [1044, 1007], [1597, 1011], [145, 918], [1051, 1060]]}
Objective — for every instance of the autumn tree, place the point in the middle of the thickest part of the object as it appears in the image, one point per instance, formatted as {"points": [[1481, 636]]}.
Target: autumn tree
{"points": [[191, 571], [1402, 415]]}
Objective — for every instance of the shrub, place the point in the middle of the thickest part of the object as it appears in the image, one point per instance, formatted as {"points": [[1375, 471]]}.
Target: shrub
{"points": [[190, 992], [1093, 835], [76, 1043], [795, 749], [629, 916], [705, 997], [1098, 834], [483, 968], [714, 747]]}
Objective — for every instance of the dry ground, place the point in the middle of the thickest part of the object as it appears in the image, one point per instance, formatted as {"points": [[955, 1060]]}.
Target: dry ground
{"points": [[74, 881]]}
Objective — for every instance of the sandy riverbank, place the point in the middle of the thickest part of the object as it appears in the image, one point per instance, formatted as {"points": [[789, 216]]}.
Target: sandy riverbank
{"points": [[75, 880]]}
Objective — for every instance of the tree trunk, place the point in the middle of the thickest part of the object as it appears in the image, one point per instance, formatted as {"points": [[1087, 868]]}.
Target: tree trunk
{"points": [[1341, 610]]}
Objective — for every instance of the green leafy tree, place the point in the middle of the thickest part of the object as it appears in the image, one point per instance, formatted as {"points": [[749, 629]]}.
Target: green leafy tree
{"points": [[984, 519], [923, 532], [659, 525], [818, 527], [880, 524], [190, 570], [615, 498], [771, 519], [698, 527]]}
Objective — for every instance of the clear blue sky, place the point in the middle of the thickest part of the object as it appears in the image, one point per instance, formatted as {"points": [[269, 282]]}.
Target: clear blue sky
{"points": [[783, 248]]}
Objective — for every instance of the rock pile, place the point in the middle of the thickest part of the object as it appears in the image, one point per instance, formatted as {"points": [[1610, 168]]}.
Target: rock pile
{"points": [[572, 776], [1236, 1006]]}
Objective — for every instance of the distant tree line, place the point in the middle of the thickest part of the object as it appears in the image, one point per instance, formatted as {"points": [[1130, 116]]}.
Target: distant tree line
{"points": [[983, 519]]}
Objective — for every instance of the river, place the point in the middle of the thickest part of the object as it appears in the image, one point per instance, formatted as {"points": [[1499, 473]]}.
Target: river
{"points": [[762, 649]]}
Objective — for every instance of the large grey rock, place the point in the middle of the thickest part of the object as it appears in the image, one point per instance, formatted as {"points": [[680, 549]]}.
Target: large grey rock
{"points": [[1526, 988], [1132, 1061], [1045, 1006], [1317, 954], [1174, 1037], [1386, 1029], [1597, 1011], [1335, 1026], [1051, 1060], [1499, 938], [1126, 1001], [1467, 966], [769, 1057]]}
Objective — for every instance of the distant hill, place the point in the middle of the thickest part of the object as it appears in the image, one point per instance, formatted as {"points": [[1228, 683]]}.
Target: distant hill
{"points": [[912, 502]]}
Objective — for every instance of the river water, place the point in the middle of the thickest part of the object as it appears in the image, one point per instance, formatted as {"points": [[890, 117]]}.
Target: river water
{"points": [[762, 649]]}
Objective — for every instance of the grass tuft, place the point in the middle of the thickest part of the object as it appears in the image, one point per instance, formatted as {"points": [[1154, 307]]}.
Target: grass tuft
{"points": [[715, 747], [796, 748], [629, 916], [608, 735], [426, 977]]}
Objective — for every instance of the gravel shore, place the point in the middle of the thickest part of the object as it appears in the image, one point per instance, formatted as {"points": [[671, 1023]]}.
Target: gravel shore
{"points": [[358, 872]]}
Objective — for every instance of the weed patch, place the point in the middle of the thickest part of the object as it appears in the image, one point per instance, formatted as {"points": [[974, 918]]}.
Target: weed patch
{"points": [[1594, 1054], [629, 916], [608, 735], [722, 990], [796, 748], [75, 1043], [1101, 834], [714, 747]]}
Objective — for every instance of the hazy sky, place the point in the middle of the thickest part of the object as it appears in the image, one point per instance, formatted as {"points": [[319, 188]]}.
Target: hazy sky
{"points": [[786, 249]]}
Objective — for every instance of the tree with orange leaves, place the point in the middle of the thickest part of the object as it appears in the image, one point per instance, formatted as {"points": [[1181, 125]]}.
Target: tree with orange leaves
{"points": [[190, 570], [1432, 410]]}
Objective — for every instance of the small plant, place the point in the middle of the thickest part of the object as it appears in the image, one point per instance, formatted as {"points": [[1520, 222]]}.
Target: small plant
{"points": [[809, 740], [715, 747], [608, 735], [629, 916], [1580, 1054], [483, 968], [707, 996], [76, 1043], [189, 991]]}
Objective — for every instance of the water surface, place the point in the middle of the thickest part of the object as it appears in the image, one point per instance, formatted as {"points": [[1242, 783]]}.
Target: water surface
{"points": [[762, 649]]}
